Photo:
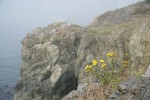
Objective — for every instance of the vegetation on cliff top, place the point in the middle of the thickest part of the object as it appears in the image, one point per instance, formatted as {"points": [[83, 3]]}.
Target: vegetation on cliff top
{"points": [[106, 71]]}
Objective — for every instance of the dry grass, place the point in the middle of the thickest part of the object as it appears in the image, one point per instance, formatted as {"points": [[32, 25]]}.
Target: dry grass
{"points": [[98, 92]]}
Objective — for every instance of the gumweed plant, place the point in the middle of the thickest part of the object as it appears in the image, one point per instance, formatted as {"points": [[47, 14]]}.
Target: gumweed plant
{"points": [[106, 72]]}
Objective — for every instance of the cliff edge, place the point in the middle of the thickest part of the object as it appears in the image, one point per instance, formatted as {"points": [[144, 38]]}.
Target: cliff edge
{"points": [[54, 57]]}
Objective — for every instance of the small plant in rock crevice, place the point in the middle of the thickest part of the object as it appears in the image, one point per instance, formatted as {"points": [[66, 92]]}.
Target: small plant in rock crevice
{"points": [[106, 72]]}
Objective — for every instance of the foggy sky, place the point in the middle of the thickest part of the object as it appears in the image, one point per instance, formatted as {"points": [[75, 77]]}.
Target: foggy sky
{"points": [[24, 15], [18, 17]]}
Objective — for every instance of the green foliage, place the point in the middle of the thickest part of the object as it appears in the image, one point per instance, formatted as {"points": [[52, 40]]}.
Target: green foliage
{"points": [[138, 74], [106, 72]]}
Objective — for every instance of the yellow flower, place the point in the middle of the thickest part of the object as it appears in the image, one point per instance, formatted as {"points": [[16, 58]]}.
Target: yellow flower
{"points": [[88, 68], [102, 61], [103, 65], [125, 63], [94, 62], [111, 54]]}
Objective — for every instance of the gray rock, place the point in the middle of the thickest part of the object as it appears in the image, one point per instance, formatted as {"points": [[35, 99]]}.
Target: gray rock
{"points": [[132, 89], [67, 48], [137, 89], [147, 73], [81, 91]]}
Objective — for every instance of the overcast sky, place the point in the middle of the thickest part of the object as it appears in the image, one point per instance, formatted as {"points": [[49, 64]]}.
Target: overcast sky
{"points": [[18, 17], [24, 15]]}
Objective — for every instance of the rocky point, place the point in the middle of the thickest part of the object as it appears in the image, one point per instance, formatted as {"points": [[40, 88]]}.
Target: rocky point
{"points": [[54, 57]]}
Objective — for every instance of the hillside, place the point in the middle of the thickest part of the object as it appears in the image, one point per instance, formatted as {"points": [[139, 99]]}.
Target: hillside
{"points": [[54, 57]]}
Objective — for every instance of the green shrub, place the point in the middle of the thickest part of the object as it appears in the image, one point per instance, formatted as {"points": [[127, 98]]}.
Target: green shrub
{"points": [[106, 72]]}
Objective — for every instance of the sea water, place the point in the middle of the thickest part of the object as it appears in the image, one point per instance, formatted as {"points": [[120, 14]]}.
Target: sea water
{"points": [[10, 62]]}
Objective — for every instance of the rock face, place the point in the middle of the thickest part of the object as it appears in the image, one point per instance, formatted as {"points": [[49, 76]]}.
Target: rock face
{"points": [[133, 89], [54, 57], [49, 62]]}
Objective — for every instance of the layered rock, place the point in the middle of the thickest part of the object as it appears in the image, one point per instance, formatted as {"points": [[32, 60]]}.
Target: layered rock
{"points": [[54, 57], [133, 89], [48, 67]]}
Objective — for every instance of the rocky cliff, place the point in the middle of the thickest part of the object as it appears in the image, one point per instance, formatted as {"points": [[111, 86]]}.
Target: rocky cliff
{"points": [[54, 57]]}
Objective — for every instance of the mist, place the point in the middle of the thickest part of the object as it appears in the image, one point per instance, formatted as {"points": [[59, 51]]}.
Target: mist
{"points": [[24, 15], [19, 17]]}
